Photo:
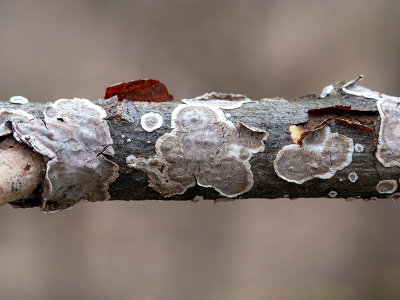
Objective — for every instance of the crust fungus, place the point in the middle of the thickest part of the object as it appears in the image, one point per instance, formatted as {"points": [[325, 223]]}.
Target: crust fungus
{"points": [[326, 91], [388, 150], [351, 87], [151, 121], [359, 147], [332, 194], [73, 137], [220, 100], [321, 154], [18, 100], [203, 147], [386, 186], [353, 177]]}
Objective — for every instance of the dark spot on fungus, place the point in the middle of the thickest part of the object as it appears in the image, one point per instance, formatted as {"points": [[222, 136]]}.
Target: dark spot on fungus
{"points": [[9, 125], [27, 167]]}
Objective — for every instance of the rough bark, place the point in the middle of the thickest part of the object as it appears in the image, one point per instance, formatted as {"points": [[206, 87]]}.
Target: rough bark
{"points": [[354, 116]]}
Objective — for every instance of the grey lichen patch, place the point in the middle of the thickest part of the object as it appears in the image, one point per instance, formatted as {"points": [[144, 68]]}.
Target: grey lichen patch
{"points": [[203, 147], [73, 137], [151, 121], [386, 186], [219, 100], [321, 154], [359, 148], [388, 150], [353, 177]]}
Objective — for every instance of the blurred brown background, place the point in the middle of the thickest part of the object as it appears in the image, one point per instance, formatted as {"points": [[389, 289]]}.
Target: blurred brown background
{"points": [[255, 249]]}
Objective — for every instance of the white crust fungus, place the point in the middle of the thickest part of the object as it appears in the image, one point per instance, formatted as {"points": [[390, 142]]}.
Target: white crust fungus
{"points": [[359, 147], [73, 136], [388, 150], [353, 177], [321, 154], [203, 147], [219, 100], [326, 91], [352, 88], [18, 100], [151, 121], [386, 186], [332, 194]]}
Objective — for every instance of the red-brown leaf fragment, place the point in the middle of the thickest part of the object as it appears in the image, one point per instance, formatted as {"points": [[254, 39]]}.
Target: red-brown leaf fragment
{"points": [[149, 90]]}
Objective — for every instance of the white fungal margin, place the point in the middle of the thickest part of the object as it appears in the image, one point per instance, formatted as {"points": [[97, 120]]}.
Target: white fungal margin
{"points": [[202, 148], [321, 154], [219, 100], [151, 121]]}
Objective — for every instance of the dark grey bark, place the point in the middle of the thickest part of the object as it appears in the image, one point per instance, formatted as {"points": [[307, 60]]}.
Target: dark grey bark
{"points": [[356, 117]]}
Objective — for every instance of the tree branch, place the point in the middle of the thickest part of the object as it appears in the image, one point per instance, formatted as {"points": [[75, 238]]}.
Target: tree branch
{"points": [[348, 111]]}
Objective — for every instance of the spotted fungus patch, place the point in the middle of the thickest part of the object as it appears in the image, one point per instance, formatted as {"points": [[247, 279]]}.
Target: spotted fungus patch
{"points": [[220, 100], [202, 148], [388, 150], [151, 121], [386, 186], [321, 154], [72, 136]]}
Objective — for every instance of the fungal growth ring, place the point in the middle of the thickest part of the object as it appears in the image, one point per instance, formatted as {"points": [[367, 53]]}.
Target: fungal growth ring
{"points": [[72, 137], [203, 147]]}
